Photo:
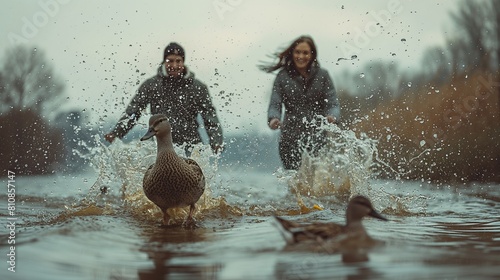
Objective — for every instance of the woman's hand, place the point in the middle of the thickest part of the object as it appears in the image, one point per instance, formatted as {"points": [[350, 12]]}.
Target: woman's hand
{"points": [[274, 124], [331, 119], [216, 149]]}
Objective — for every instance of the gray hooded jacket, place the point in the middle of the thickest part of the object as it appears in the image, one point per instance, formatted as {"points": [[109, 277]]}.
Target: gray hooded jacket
{"points": [[302, 98], [181, 100]]}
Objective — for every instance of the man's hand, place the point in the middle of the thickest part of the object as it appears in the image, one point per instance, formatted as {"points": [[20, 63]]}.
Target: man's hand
{"points": [[110, 137], [274, 124]]}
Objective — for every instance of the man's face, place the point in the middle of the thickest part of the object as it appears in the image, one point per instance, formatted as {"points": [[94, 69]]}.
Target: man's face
{"points": [[174, 64]]}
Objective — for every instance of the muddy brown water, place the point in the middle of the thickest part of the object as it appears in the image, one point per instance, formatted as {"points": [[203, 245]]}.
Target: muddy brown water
{"points": [[94, 226]]}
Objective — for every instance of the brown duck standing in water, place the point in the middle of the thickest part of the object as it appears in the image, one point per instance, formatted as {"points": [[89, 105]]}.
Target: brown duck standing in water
{"points": [[356, 234], [172, 181]]}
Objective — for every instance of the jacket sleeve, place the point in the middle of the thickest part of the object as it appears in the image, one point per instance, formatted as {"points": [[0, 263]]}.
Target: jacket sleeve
{"points": [[275, 105], [332, 107], [132, 112], [210, 119]]}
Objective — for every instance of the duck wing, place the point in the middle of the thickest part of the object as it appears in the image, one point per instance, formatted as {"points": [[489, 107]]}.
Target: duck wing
{"points": [[319, 231], [147, 174], [194, 165], [197, 170], [314, 231]]}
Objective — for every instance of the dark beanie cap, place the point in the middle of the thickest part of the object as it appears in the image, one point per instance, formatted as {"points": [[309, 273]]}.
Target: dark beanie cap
{"points": [[174, 48]]}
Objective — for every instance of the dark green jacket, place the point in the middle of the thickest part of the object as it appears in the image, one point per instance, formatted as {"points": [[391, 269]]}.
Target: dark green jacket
{"points": [[302, 98], [181, 100]]}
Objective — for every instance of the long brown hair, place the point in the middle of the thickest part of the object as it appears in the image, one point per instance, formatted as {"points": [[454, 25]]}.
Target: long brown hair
{"points": [[286, 56]]}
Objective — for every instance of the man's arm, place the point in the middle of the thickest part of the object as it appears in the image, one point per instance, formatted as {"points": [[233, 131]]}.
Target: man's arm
{"points": [[210, 119], [132, 113]]}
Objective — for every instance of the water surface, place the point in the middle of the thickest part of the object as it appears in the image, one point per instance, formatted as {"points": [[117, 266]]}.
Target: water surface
{"points": [[98, 225]]}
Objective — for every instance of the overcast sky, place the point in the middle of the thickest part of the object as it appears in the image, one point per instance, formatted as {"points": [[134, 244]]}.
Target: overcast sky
{"points": [[104, 49]]}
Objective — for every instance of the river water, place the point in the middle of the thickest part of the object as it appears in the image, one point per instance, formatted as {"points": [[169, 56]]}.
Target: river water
{"points": [[99, 225]]}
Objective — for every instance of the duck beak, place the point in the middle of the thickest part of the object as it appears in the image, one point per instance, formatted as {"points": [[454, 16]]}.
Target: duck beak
{"points": [[375, 214], [151, 132]]}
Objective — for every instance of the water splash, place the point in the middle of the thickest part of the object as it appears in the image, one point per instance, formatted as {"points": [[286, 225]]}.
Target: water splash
{"points": [[341, 169], [121, 168]]}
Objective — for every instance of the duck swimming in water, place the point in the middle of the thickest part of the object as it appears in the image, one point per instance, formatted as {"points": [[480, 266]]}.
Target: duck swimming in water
{"points": [[172, 181], [357, 208]]}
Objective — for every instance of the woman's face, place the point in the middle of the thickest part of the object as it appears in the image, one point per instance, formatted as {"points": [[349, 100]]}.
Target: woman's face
{"points": [[302, 56], [174, 65]]}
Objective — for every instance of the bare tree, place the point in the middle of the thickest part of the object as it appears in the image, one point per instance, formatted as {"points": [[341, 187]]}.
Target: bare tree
{"points": [[380, 82], [473, 25], [2, 86], [436, 65], [29, 82], [496, 17], [495, 9], [28, 88]]}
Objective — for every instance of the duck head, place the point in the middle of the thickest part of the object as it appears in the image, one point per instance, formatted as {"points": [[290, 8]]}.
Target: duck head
{"points": [[158, 126], [359, 207]]}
